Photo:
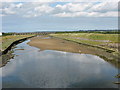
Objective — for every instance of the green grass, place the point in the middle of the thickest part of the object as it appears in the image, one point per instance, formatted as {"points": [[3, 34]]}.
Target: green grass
{"points": [[85, 41], [93, 36], [5, 41], [95, 39]]}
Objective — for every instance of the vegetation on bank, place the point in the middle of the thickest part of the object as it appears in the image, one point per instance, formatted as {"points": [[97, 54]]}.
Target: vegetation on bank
{"points": [[93, 31], [109, 41], [6, 34], [7, 40], [103, 38]]}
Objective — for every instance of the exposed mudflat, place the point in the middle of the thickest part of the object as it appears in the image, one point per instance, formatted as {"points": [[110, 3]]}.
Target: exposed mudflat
{"points": [[51, 43], [31, 68]]}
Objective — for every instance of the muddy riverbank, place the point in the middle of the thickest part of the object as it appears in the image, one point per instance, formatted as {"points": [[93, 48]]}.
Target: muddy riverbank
{"points": [[52, 43], [14, 43], [4, 59], [32, 68], [7, 54]]}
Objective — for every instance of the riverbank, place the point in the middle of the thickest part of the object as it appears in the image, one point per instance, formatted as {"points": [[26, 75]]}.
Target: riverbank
{"points": [[104, 41], [6, 41], [108, 42], [10, 42], [62, 44], [53, 43], [32, 68]]}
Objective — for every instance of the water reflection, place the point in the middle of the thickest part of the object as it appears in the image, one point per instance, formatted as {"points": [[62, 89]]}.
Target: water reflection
{"points": [[56, 69]]}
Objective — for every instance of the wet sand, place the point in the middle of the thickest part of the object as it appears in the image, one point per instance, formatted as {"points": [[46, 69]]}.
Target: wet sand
{"points": [[55, 44], [52, 43]]}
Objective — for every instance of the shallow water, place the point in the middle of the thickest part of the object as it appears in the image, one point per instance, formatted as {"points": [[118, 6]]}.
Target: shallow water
{"points": [[56, 69]]}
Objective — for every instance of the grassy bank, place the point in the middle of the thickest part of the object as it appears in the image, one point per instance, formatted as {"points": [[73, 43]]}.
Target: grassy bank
{"points": [[107, 41], [6, 41]]}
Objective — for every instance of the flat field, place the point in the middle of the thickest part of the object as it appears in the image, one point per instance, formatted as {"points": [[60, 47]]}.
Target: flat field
{"points": [[109, 41]]}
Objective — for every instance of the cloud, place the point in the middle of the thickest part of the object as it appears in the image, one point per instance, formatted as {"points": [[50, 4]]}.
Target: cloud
{"points": [[87, 14], [10, 8], [8, 11], [26, 9], [43, 9], [36, 9], [59, 1], [76, 9], [19, 5], [105, 9], [76, 14]]}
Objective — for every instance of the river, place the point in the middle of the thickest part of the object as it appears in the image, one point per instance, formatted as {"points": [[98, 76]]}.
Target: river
{"points": [[34, 68]]}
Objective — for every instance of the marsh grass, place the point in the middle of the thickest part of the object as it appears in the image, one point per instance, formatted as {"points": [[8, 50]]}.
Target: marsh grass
{"points": [[7, 40], [95, 39]]}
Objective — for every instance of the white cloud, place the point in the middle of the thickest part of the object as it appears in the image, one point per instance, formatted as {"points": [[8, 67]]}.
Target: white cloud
{"points": [[103, 9], [110, 14], [87, 14], [10, 8], [106, 9], [8, 11], [27, 9], [19, 5], [59, 0], [74, 7], [43, 9], [1, 15], [76, 14], [37, 9]]}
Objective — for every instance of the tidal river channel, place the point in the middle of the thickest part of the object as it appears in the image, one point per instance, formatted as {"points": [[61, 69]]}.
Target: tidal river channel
{"points": [[35, 68]]}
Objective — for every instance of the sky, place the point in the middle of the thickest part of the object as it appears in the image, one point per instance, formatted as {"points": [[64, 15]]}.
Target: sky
{"points": [[58, 16]]}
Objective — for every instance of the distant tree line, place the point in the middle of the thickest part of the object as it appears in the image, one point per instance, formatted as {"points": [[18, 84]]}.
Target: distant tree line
{"points": [[93, 31], [5, 34], [80, 31]]}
